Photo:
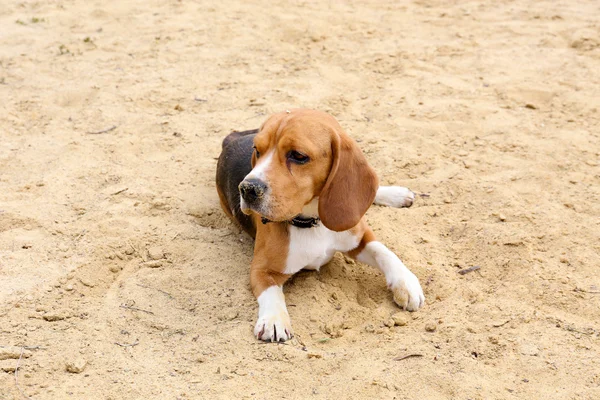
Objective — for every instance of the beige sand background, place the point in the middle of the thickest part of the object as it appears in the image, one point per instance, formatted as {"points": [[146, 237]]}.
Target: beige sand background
{"points": [[489, 108]]}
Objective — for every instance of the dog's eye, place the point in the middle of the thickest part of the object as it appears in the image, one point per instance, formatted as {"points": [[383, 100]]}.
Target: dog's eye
{"points": [[256, 151], [297, 157]]}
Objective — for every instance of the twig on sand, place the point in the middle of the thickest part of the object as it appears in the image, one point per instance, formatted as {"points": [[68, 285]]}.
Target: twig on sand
{"points": [[137, 341], [119, 191], [470, 269], [135, 309], [407, 356], [34, 348], [150, 287], [112, 128], [17, 375]]}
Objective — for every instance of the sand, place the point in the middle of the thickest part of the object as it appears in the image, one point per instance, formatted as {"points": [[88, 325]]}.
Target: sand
{"points": [[121, 278]]}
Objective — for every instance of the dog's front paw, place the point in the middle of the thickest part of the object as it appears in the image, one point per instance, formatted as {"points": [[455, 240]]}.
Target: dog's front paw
{"points": [[274, 328], [408, 293]]}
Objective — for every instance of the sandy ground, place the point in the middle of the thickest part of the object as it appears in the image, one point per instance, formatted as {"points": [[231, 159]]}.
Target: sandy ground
{"points": [[116, 260]]}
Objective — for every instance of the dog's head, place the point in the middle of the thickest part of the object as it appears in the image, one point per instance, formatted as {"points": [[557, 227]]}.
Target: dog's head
{"points": [[302, 155]]}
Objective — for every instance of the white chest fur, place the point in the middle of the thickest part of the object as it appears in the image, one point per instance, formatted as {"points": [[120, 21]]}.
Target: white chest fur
{"points": [[311, 248]]}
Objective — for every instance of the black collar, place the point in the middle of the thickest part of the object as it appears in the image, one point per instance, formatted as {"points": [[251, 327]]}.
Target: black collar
{"points": [[299, 221], [304, 222]]}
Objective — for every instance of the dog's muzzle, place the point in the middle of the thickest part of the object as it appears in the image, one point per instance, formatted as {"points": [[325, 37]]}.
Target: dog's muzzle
{"points": [[252, 190]]}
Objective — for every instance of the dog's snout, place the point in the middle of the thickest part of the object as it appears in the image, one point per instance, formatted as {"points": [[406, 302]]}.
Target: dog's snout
{"points": [[252, 189]]}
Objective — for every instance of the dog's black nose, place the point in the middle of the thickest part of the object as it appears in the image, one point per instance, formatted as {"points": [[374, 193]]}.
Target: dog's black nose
{"points": [[252, 189]]}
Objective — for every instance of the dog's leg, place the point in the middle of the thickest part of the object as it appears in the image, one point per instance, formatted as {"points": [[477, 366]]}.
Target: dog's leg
{"points": [[273, 323], [404, 285], [394, 196]]}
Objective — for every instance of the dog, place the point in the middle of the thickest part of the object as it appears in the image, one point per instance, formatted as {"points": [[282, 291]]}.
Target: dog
{"points": [[300, 186]]}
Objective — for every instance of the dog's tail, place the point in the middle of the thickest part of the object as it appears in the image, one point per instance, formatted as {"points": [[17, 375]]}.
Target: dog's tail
{"points": [[235, 135]]}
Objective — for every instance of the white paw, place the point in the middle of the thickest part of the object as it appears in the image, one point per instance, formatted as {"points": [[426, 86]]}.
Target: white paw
{"points": [[408, 293], [394, 196], [273, 323], [274, 328]]}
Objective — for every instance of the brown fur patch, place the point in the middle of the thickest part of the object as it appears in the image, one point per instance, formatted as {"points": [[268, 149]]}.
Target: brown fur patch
{"points": [[270, 256], [364, 231]]}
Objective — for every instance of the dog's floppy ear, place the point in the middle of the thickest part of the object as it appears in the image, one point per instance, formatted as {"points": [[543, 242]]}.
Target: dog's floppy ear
{"points": [[350, 187]]}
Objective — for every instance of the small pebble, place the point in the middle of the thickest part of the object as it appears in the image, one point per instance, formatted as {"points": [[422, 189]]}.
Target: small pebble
{"points": [[87, 282], [502, 217], [114, 268], [231, 315], [155, 253], [399, 319], [76, 366], [161, 204], [389, 323], [54, 316], [153, 264], [430, 327], [8, 366], [13, 352]]}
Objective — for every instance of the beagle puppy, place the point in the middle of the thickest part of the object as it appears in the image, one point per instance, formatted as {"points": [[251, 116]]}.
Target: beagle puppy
{"points": [[301, 187]]}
